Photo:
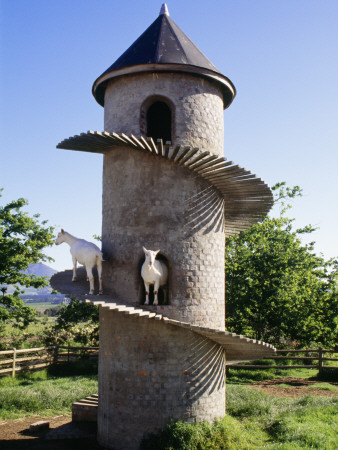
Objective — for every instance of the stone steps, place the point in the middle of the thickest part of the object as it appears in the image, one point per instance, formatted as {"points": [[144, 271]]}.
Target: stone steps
{"points": [[85, 410]]}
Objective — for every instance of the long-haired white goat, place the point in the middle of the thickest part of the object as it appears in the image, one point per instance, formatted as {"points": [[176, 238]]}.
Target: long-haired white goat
{"points": [[86, 253], [154, 272]]}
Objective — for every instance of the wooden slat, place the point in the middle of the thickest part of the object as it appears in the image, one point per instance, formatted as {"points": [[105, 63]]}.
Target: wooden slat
{"points": [[129, 140], [197, 159], [166, 149], [27, 358], [36, 349], [183, 151], [188, 156], [208, 162], [315, 350], [160, 147], [173, 152], [219, 165], [152, 145], [138, 142], [103, 141], [245, 366], [145, 143], [228, 174], [66, 347]]}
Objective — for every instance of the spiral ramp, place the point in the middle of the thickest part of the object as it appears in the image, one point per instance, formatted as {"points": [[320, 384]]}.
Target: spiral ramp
{"points": [[248, 199], [238, 348], [155, 365]]}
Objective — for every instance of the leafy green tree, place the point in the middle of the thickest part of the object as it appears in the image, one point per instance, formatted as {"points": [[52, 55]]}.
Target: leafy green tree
{"points": [[278, 289], [22, 239], [77, 321], [76, 312]]}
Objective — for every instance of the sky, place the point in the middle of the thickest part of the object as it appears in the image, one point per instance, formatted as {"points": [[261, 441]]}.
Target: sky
{"points": [[282, 56]]}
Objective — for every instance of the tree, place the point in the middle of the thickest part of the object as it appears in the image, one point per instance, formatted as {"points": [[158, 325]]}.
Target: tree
{"points": [[22, 239], [278, 290], [77, 321], [76, 312]]}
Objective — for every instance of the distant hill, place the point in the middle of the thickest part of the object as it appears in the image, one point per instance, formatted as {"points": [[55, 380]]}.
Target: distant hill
{"points": [[40, 270]]}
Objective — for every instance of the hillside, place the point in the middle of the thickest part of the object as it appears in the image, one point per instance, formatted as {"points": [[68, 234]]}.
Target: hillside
{"points": [[40, 270]]}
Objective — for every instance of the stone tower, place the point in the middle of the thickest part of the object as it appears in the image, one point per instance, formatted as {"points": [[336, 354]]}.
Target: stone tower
{"points": [[167, 186], [149, 201]]}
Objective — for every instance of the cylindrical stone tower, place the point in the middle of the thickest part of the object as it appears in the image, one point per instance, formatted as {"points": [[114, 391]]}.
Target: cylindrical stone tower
{"points": [[167, 187], [150, 202]]}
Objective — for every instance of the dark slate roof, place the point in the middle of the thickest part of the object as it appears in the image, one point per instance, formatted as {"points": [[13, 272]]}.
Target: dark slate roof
{"points": [[163, 42]]}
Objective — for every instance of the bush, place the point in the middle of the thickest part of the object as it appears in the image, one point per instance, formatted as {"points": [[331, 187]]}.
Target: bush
{"points": [[224, 434]]}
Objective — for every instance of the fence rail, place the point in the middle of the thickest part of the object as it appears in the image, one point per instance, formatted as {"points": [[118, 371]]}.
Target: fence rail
{"points": [[319, 352], [41, 357]]}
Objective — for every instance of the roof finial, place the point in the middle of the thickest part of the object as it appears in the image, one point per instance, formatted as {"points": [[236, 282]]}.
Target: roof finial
{"points": [[164, 10]]}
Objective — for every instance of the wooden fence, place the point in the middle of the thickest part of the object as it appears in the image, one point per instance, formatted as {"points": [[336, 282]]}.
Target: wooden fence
{"points": [[313, 355], [13, 361]]}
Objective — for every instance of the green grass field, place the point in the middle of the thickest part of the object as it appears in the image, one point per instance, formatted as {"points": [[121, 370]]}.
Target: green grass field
{"points": [[46, 392], [254, 420]]}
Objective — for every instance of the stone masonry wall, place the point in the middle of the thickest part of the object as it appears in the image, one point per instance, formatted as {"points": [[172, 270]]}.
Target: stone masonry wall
{"points": [[151, 202], [198, 107], [150, 373]]}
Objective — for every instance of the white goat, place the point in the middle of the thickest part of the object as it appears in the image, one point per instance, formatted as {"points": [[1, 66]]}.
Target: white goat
{"points": [[86, 253], [153, 272]]}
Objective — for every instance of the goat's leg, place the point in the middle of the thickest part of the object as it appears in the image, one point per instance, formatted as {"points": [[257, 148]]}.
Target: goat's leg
{"points": [[91, 279], [146, 286], [74, 269], [99, 272], [156, 288]]}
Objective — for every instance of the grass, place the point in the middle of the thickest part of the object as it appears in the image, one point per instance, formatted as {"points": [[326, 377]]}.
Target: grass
{"points": [[257, 421], [246, 376], [46, 392], [311, 422], [236, 375], [227, 433], [254, 420], [12, 336], [324, 387]]}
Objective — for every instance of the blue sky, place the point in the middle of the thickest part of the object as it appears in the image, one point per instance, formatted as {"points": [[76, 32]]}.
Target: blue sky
{"points": [[282, 56]]}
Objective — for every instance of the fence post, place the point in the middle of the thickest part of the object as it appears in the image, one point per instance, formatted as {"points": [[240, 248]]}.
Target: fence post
{"points": [[56, 354], [14, 360], [68, 351], [320, 361]]}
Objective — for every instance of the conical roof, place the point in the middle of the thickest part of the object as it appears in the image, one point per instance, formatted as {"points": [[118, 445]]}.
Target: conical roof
{"points": [[163, 47]]}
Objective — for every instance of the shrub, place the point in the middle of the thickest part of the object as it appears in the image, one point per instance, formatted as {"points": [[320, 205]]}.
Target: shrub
{"points": [[223, 434]]}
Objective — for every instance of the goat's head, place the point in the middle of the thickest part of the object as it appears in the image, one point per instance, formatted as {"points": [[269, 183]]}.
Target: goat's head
{"points": [[60, 237], [150, 256]]}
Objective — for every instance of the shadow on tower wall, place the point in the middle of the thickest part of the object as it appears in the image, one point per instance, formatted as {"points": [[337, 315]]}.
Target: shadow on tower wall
{"points": [[206, 367], [205, 210]]}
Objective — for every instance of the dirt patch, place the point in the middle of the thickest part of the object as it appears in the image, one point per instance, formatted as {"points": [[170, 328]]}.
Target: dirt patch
{"points": [[62, 434], [297, 387]]}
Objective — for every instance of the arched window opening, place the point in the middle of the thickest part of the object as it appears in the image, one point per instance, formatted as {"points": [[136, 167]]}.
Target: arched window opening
{"points": [[163, 292], [159, 121]]}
